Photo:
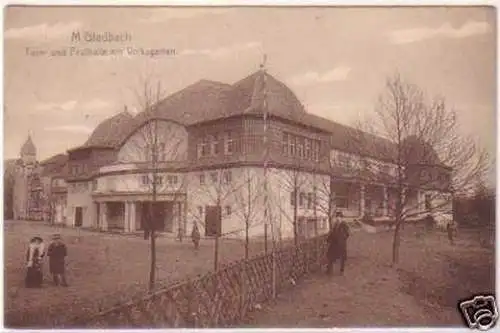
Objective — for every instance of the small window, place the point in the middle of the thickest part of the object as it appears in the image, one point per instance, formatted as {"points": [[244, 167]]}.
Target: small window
{"points": [[172, 179], [293, 198], [214, 177], [227, 177], [159, 180], [310, 200], [202, 179], [302, 196], [228, 210], [144, 179]]}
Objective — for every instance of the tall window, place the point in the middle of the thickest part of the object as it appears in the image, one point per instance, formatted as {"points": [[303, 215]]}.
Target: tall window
{"points": [[214, 177], [203, 147], [315, 152], [342, 195], [310, 200], [202, 179], [307, 149], [228, 143], [292, 145], [302, 197], [214, 144], [300, 147], [293, 198], [285, 143], [227, 176]]}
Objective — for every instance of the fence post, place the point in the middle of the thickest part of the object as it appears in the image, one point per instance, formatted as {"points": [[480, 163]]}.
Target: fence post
{"points": [[274, 270], [242, 288], [191, 313]]}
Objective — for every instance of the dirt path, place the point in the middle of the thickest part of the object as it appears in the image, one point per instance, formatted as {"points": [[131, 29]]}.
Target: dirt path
{"points": [[370, 293]]}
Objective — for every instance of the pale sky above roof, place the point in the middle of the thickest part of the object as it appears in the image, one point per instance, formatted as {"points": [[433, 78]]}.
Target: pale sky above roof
{"points": [[334, 59]]}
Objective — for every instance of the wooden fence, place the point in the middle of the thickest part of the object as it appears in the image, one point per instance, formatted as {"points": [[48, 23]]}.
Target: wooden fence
{"points": [[217, 299]]}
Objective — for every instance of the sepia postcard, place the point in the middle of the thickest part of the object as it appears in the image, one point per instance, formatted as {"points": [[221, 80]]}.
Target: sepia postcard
{"points": [[249, 167]]}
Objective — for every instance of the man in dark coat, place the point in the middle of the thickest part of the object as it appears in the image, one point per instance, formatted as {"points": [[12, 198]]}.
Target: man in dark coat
{"points": [[337, 244], [195, 236], [451, 230], [57, 253], [429, 222]]}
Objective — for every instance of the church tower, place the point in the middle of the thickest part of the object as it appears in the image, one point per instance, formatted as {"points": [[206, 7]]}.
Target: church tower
{"points": [[28, 152], [25, 167]]}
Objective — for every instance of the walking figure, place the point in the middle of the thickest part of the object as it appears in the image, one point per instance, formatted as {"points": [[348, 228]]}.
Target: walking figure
{"points": [[337, 244], [451, 230], [180, 234], [195, 236], [429, 222], [57, 253]]}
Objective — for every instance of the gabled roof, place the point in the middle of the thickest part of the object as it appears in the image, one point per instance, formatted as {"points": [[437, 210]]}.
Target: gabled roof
{"points": [[55, 165], [207, 100]]}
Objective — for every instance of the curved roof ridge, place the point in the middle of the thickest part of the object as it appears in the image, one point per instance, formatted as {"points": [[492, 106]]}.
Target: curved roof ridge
{"points": [[110, 130]]}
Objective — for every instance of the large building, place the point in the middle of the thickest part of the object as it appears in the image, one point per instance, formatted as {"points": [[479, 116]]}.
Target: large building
{"points": [[216, 146]]}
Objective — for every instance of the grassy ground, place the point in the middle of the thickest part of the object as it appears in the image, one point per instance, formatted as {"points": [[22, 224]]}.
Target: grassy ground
{"points": [[102, 270], [422, 291]]}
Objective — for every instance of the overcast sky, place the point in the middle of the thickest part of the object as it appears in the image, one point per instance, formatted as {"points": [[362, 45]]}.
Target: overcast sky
{"points": [[335, 60]]}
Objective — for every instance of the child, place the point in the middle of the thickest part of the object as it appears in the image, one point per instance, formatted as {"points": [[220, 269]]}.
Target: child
{"points": [[57, 253]]}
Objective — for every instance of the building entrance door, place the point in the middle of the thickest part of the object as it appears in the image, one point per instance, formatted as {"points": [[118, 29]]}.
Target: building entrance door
{"points": [[78, 216]]}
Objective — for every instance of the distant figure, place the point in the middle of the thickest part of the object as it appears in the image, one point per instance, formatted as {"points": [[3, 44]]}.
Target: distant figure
{"points": [[34, 256], [337, 244], [429, 222], [57, 253], [195, 236], [180, 234], [451, 230]]}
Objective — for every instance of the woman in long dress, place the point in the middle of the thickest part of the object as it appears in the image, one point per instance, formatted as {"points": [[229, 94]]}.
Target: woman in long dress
{"points": [[34, 256]]}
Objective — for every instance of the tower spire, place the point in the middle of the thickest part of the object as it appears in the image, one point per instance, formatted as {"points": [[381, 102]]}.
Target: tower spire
{"points": [[264, 62]]}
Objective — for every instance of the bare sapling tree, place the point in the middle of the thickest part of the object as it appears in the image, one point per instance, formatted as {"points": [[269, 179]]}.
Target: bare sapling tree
{"points": [[248, 202], [296, 183], [159, 147], [414, 145], [324, 191], [216, 189]]}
